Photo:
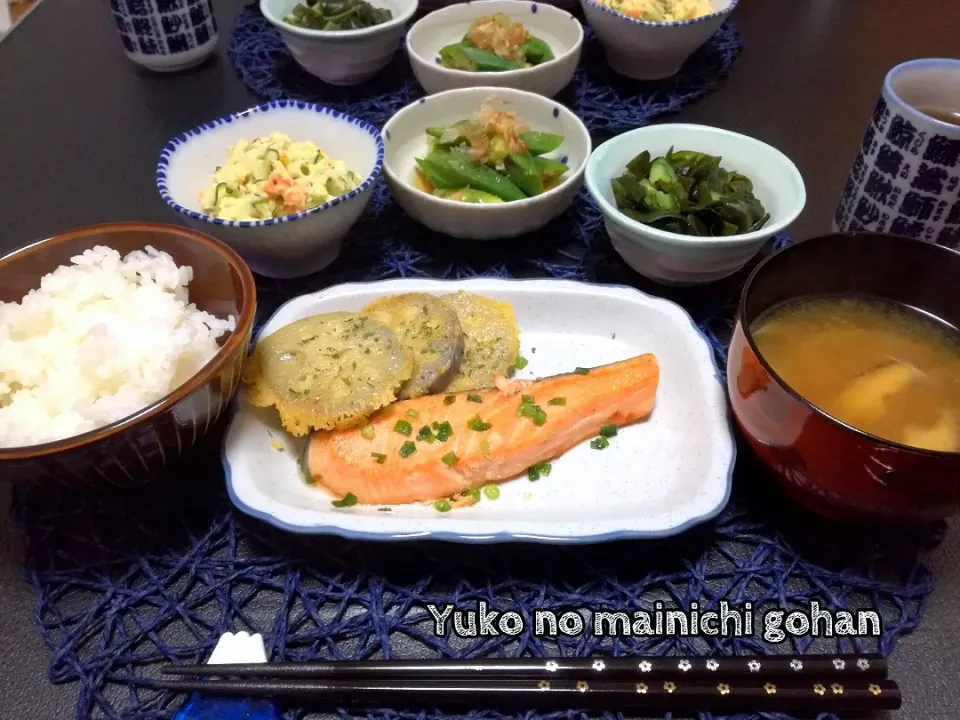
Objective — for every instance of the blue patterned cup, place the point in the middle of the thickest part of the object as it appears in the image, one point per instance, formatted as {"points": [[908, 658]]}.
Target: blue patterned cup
{"points": [[906, 178], [166, 35]]}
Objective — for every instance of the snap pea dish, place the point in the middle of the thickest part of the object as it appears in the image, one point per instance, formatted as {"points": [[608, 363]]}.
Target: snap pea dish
{"points": [[495, 43], [493, 158]]}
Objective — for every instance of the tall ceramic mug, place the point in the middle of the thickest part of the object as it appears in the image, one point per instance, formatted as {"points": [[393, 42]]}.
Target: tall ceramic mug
{"points": [[906, 178], [166, 35]]}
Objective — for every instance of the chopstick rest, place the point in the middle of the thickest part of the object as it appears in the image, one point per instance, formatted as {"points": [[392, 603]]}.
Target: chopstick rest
{"points": [[240, 647]]}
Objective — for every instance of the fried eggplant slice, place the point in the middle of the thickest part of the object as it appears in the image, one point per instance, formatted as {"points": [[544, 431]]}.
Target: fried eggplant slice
{"points": [[430, 331], [491, 340], [327, 371]]}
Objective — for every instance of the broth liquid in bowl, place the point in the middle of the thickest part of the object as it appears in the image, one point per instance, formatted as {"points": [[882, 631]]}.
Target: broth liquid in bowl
{"points": [[878, 366]]}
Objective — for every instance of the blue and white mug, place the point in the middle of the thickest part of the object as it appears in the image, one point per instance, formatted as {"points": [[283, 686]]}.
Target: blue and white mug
{"points": [[166, 35], [906, 178]]}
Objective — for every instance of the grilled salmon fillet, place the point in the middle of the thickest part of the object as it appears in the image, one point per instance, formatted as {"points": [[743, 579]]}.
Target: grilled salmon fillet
{"points": [[492, 435]]}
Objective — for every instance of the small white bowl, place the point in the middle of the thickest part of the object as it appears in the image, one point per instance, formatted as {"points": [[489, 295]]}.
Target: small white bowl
{"points": [[558, 28], [675, 259], [342, 57], [405, 139], [284, 247], [645, 50]]}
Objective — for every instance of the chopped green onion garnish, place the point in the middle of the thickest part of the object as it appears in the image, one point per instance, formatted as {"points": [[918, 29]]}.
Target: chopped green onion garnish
{"points": [[541, 469], [367, 432], [474, 398], [485, 447], [557, 401], [520, 363], [379, 457], [581, 371], [412, 414], [608, 431], [491, 491], [449, 399], [348, 500], [443, 431], [426, 434], [526, 399], [407, 449], [599, 443], [475, 423], [450, 459], [403, 427], [442, 505], [534, 412]]}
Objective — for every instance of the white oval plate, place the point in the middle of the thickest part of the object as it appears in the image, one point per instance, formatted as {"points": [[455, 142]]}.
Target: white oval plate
{"points": [[656, 478]]}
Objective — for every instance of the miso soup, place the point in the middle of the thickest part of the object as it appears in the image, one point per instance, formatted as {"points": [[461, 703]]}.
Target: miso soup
{"points": [[880, 367]]}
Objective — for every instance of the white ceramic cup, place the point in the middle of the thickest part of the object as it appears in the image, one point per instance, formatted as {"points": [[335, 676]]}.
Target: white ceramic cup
{"points": [[906, 178], [166, 35]]}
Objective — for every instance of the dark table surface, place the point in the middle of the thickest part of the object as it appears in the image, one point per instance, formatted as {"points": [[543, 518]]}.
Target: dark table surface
{"points": [[81, 128]]}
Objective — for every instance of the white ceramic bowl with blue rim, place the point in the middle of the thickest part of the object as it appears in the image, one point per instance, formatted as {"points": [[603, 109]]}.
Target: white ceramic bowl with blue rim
{"points": [[556, 27], [675, 259], [284, 247], [657, 478], [645, 50], [341, 57], [405, 139]]}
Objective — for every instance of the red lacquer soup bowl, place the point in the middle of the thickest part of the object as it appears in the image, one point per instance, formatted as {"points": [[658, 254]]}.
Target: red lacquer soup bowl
{"points": [[828, 466]]}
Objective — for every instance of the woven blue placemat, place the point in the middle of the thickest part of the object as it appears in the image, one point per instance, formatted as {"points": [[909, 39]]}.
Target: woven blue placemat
{"points": [[130, 579]]}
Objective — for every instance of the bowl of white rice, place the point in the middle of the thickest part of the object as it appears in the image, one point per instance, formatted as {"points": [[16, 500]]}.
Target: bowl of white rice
{"points": [[120, 347], [652, 39]]}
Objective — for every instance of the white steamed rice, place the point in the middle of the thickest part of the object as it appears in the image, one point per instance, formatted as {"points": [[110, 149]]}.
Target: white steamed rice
{"points": [[99, 340]]}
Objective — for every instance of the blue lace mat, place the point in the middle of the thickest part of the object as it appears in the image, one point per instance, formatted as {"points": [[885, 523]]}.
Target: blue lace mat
{"points": [[130, 579]]}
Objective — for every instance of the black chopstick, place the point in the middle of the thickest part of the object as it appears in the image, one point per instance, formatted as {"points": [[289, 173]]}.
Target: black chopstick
{"points": [[812, 696], [755, 669]]}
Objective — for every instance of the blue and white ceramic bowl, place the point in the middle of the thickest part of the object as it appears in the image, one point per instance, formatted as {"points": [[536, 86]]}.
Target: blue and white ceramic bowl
{"points": [[651, 50], [342, 57], [558, 28], [284, 247], [673, 259]]}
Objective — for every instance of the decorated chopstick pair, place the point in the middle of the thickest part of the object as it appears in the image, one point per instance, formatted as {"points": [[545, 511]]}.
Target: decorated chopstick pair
{"points": [[796, 684]]}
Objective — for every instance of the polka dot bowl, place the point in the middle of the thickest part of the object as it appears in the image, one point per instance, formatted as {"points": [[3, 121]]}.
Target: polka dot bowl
{"points": [[405, 139]]}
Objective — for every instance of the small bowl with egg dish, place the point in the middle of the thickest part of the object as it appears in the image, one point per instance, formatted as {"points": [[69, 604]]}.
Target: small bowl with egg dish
{"points": [[502, 43], [844, 375], [652, 39], [122, 347], [692, 204], [342, 42], [281, 183]]}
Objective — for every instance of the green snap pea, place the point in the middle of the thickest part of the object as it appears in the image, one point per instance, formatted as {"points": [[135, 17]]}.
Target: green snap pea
{"points": [[478, 177], [438, 176], [537, 51], [540, 143], [522, 169], [466, 57], [550, 169], [468, 195]]}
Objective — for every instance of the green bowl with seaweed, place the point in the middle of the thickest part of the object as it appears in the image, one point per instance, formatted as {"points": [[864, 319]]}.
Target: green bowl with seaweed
{"points": [[691, 204]]}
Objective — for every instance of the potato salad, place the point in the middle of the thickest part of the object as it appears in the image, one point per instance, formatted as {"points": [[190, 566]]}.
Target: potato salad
{"points": [[273, 176]]}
